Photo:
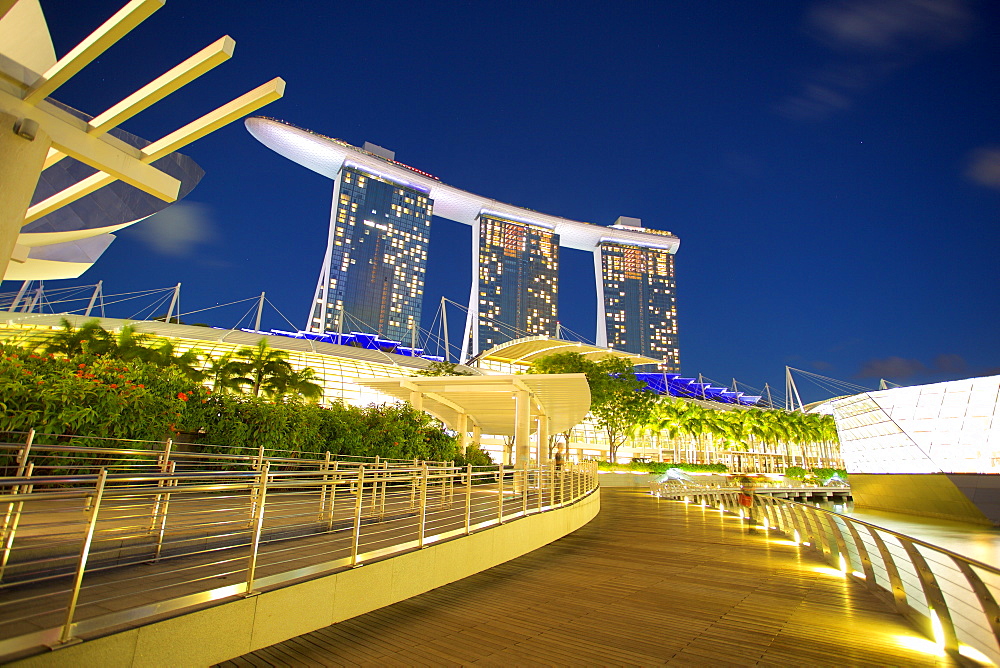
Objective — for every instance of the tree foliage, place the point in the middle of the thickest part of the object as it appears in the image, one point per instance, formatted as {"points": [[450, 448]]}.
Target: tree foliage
{"points": [[617, 401]]}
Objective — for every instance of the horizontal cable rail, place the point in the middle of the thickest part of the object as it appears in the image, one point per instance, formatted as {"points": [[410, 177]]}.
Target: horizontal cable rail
{"points": [[65, 454], [950, 598], [83, 552]]}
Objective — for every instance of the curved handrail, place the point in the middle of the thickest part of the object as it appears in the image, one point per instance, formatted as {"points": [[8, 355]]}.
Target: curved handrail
{"points": [[80, 545], [949, 597]]}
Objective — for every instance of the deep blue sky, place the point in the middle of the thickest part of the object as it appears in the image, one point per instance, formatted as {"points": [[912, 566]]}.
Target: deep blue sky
{"points": [[832, 168]]}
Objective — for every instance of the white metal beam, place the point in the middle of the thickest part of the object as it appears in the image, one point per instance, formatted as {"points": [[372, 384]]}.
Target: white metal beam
{"points": [[99, 41], [210, 122], [108, 154], [211, 56]]}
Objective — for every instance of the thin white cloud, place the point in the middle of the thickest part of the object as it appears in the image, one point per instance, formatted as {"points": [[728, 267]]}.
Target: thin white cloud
{"points": [[984, 167], [890, 25], [869, 40], [176, 231]]}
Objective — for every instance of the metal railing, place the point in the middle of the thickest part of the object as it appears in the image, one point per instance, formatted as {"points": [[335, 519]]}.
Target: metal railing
{"points": [[85, 552], [950, 598]]}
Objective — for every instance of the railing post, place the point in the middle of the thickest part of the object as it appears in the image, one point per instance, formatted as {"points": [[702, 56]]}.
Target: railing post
{"points": [[65, 637], [356, 536], [382, 489], [166, 509], [540, 485], [562, 485], [451, 483], [164, 466], [423, 504], [10, 530], [936, 603], [258, 524], [22, 462], [376, 476], [552, 484], [525, 475], [500, 495], [324, 467], [413, 485], [986, 600], [468, 499]]}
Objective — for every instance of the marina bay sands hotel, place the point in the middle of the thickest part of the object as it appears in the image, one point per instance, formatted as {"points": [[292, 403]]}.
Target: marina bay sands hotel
{"points": [[376, 255]]}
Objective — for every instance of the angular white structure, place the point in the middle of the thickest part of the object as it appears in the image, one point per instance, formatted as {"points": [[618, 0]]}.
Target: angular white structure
{"points": [[930, 450]]}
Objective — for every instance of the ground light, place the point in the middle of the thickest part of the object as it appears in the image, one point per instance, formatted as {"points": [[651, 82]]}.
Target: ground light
{"points": [[844, 568], [937, 628]]}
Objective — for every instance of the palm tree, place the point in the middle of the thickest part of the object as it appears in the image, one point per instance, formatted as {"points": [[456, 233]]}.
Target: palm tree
{"points": [[222, 374], [189, 362], [72, 341], [295, 383], [257, 366]]}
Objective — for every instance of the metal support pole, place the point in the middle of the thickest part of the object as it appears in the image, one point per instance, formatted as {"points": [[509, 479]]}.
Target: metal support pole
{"points": [[500, 496], [552, 484], [260, 311], [376, 475], [324, 467], [22, 462], [258, 524], [164, 465], [93, 299], [413, 485], [10, 530], [423, 504], [524, 475], [172, 466], [65, 637], [468, 499], [385, 474], [540, 485], [356, 537]]}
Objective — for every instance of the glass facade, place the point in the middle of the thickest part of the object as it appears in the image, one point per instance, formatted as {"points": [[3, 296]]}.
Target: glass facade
{"points": [[518, 280], [376, 257], [951, 427], [640, 301]]}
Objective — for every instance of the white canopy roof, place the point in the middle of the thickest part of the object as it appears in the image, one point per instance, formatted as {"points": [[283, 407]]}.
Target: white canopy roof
{"points": [[489, 400]]}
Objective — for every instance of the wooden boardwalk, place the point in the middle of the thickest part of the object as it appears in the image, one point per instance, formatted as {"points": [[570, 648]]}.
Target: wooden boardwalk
{"points": [[647, 582]]}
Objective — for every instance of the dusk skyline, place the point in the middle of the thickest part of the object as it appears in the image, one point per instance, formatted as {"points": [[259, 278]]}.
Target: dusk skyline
{"points": [[832, 168]]}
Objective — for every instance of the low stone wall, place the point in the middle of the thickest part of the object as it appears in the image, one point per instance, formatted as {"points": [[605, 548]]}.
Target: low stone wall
{"points": [[230, 629]]}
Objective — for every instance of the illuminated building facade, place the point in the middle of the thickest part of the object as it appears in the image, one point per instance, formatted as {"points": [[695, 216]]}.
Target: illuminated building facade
{"points": [[637, 299], [513, 292], [518, 281], [930, 450], [376, 258]]}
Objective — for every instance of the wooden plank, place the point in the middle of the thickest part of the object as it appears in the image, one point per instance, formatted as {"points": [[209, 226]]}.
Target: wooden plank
{"points": [[644, 583]]}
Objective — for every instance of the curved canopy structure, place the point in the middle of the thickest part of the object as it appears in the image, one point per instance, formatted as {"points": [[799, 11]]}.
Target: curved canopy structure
{"points": [[527, 350], [326, 156], [490, 401]]}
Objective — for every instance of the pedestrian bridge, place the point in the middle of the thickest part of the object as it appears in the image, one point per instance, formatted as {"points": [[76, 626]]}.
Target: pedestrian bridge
{"points": [[164, 559]]}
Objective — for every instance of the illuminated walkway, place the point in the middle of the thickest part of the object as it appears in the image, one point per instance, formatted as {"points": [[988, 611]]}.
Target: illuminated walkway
{"points": [[644, 583]]}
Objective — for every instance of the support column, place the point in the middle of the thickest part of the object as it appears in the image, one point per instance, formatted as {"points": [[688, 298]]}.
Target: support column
{"points": [[477, 436], [417, 400], [463, 432], [21, 161], [543, 440], [522, 429]]}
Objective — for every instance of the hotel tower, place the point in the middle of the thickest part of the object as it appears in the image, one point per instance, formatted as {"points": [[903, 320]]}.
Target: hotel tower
{"points": [[372, 277]]}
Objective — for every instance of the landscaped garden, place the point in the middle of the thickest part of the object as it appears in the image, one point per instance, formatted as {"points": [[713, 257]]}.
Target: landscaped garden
{"points": [[90, 382]]}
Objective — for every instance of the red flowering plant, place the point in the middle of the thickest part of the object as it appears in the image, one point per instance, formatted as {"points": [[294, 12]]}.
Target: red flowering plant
{"points": [[91, 395]]}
